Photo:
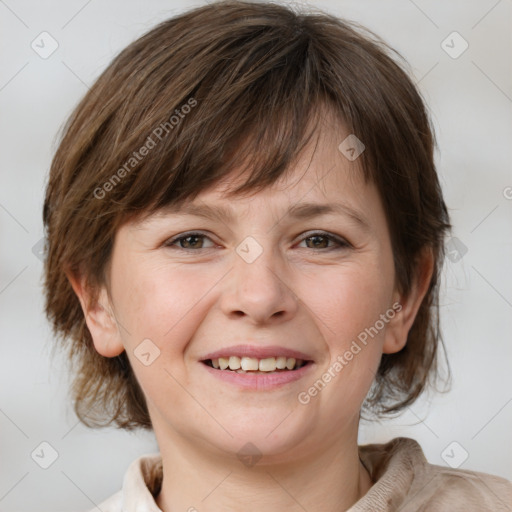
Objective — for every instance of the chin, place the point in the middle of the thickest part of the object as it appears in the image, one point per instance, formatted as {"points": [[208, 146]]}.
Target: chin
{"points": [[265, 435]]}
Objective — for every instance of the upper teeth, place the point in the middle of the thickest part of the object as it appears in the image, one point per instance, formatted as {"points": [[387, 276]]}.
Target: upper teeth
{"points": [[268, 364]]}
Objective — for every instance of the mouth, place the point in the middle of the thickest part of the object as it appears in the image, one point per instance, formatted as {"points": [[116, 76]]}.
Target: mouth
{"points": [[253, 365], [258, 368]]}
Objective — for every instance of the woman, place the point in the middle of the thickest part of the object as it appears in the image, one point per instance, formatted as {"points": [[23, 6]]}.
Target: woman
{"points": [[245, 230]]}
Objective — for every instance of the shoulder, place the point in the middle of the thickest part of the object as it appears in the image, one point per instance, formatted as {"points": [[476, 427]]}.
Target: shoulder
{"points": [[459, 489], [141, 483], [112, 504], [405, 480]]}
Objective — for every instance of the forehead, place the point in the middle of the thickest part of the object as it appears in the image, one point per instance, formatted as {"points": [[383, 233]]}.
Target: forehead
{"points": [[321, 181], [321, 166], [325, 178]]}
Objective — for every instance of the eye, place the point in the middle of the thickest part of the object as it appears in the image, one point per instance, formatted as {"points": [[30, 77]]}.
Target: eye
{"points": [[320, 240], [189, 241], [316, 240]]}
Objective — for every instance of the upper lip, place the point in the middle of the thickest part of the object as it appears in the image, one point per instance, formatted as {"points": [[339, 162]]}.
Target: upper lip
{"points": [[257, 352]]}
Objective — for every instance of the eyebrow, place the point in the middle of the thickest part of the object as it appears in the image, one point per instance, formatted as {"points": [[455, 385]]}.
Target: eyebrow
{"points": [[300, 211]]}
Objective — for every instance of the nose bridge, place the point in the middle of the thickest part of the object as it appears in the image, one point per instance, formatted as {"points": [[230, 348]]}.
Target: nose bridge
{"points": [[259, 288], [259, 260]]}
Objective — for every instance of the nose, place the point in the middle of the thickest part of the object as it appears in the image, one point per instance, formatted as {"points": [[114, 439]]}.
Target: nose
{"points": [[260, 290]]}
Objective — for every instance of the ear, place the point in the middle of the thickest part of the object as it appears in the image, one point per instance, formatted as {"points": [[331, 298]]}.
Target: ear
{"points": [[399, 327], [99, 317]]}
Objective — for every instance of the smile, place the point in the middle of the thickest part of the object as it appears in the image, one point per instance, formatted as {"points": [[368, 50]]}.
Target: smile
{"points": [[250, 373], [252, 364]]}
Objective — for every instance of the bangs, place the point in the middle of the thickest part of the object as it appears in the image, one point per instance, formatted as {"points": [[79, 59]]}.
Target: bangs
{"points": [[255, 122]]}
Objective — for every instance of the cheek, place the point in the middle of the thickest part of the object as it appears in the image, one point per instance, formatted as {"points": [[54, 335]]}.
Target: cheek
{"points": [[353, 328], [350, 301], [160, 302], [163, 304]]}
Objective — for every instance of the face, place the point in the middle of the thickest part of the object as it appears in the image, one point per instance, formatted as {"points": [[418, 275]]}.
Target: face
{"points": [[300, 273]]}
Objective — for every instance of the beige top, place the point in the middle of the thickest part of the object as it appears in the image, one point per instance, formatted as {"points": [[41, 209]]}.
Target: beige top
{"points": [[403, 481]]}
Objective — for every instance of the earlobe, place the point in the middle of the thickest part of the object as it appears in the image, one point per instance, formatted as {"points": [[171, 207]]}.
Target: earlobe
{"points": [[399, 327], [99, 317]]}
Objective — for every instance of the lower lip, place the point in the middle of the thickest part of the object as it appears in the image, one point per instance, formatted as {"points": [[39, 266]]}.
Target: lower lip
{"points": [[259, 381]]}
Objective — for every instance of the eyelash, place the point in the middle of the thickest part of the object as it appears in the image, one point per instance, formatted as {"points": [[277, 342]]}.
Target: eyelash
{"points": [[342, 244]]}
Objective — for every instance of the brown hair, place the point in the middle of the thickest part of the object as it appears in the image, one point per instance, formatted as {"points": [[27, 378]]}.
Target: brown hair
{"points": [[252, 77]]}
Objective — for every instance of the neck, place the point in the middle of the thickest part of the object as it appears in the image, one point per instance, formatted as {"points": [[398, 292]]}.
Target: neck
{"points": [[331, 479]]}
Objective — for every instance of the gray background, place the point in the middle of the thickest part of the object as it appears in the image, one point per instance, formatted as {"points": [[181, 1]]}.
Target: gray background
{"points": [[470, 98]]}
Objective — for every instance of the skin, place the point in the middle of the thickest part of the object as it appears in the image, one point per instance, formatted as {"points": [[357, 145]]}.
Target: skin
{"points": [[313, 298]]}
